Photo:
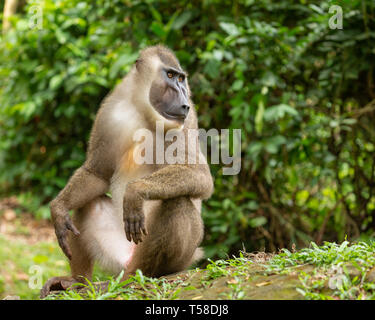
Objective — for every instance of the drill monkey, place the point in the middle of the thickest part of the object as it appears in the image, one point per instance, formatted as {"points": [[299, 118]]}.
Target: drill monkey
{"points": [[153, 220]]}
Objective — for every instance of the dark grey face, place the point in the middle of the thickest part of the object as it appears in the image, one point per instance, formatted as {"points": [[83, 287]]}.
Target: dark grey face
{"points": [[169, 94]]}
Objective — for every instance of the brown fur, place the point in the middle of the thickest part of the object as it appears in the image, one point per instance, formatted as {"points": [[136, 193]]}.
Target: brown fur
{"points": [[128, 164], [173, 221], [175, 230]]}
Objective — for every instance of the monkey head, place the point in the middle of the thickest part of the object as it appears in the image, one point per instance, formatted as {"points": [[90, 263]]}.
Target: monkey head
{"points": [[166, 84]]}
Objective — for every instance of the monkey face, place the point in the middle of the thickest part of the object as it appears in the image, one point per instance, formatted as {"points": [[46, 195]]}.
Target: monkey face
{"points": [[169, 94]]}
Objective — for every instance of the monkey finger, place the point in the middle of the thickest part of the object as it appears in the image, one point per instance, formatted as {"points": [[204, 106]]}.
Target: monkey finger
{"points": [[137, 236], [143, 227], [64, 245], [127, 230], [66, 250], [138, 231], [132, 232], [70, 226], [135, 233]]}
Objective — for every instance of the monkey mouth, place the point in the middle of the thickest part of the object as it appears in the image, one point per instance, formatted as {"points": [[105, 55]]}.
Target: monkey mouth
{"points": [[172, 116]]}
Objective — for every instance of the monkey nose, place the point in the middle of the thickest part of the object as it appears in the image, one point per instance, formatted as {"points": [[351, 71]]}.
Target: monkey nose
{"points": [[178, 112], [185, 108]]}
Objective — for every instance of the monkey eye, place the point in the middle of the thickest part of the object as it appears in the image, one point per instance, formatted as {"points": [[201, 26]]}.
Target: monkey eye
{"points": [[180, 79], [170, 75]]}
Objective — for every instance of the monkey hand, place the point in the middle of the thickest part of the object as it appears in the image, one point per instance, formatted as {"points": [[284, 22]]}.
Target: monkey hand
{"points": [[134, 218], [62, 223]]}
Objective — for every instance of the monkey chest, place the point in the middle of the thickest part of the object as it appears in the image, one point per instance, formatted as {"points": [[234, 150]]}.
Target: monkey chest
{"points": [[133, 165]]}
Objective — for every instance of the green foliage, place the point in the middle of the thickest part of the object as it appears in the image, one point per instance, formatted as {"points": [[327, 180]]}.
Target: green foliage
{"points": [[332, 262], [330, 253], [299, 91], [16, 259], [137, 287], [331, 271]]}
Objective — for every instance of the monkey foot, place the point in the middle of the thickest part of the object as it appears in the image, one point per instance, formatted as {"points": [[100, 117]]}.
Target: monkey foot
{"points": [[63, 283], [56, 284], [97, 286]]}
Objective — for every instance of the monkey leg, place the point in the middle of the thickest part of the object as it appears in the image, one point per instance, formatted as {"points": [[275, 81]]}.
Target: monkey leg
{"points": [[82, 187], [175, 229], [81, 264], [102, 239], [56, 284]]}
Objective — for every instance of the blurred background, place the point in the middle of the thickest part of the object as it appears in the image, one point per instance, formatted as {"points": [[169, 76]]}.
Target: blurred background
{"points": [[302, 93]]}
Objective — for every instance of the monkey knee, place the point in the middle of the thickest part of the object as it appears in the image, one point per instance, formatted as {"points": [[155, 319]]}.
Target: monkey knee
{"points": [[197, 255]]}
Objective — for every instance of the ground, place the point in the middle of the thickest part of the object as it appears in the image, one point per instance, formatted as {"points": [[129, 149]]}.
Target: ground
{"points": [[26, 242], [29, 255]]}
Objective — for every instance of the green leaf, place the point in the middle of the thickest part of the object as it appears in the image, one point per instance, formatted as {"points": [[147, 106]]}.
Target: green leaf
{"points": [[259, 117], [56, 81], [125, 59], [277, 112], [257, 222], [269, 79], [158, 29], [61, 36], [230, 28], [156, 15], [212, 68], [181, 20], [237, 85], [272, 145], [343, 245]]}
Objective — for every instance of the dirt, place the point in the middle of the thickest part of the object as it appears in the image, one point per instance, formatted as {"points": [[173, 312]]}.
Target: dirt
{"points": [[22, 225], [256, 285]]}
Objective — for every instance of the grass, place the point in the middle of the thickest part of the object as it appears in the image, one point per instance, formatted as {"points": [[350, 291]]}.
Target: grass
{"points": [[25, 267], [138, 287], [16, 259], [29, 255], [336, 271], [342, 268], [141, 287]]}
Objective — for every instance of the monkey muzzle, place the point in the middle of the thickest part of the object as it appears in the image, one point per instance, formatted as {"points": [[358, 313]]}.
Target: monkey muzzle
{"points": [[175, 104], [177, 113], [178, 110]]}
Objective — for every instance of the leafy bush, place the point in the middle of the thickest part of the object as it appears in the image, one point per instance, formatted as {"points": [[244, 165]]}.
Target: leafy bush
{"points": [[300, 91]]}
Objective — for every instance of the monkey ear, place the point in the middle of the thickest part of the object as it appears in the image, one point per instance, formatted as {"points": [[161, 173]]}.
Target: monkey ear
{"points": [[138, 63]]}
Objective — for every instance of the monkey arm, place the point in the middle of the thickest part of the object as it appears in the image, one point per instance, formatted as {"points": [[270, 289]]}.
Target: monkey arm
{"points": [[81, 188], [172, 181], [175, 181]]}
